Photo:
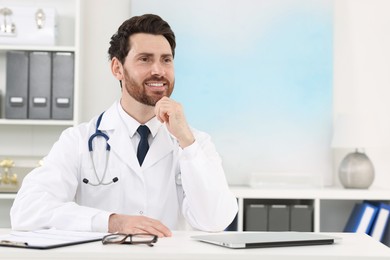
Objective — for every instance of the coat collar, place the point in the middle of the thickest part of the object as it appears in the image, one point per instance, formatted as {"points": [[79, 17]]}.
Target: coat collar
{"points": [[163, 142]]}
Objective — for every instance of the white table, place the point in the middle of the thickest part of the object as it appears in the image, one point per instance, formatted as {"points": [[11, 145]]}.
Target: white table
{"points": [[181, 246]]}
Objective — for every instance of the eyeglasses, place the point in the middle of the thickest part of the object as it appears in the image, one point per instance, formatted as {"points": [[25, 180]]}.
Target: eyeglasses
{"points": [[120, 238]]}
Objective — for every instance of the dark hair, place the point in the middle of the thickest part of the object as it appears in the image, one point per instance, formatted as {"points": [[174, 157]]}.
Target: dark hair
{"points": [[147, 23]]}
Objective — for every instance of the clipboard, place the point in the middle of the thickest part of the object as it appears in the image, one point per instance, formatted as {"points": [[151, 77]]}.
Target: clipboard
{"points": [[48, 238]]}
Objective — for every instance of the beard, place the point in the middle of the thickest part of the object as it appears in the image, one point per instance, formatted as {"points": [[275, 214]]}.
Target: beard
{"points": [[138, 91]]}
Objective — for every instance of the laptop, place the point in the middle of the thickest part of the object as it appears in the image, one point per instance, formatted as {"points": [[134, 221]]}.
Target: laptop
{"points": [[248, 239]]}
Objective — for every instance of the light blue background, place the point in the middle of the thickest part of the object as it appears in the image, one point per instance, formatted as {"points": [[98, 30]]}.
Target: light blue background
{"points": [[257, 76]]}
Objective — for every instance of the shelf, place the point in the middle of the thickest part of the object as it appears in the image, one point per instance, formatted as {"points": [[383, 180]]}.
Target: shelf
{"points": [[36, 48], [337, 200], [7, 196], [328, 193], [37, 122]]}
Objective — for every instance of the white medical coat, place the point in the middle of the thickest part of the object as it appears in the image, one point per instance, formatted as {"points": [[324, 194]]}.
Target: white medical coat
{"points": [[54, 194]]}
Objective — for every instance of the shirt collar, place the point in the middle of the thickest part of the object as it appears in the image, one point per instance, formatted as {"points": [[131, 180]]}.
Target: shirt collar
{"points": [[132, 124]]}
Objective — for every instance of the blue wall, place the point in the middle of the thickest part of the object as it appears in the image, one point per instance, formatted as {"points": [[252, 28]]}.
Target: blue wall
{"points": [[257, 76]]}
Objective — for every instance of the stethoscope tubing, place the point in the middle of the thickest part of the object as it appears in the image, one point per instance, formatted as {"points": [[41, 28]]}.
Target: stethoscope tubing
{"points": [[99, 133]]}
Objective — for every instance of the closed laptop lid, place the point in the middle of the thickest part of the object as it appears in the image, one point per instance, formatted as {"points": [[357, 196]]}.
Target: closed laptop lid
{"points": [[265, 239]]}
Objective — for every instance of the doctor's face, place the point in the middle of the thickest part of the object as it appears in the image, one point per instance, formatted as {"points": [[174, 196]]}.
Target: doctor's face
{"points": [[148, 68]]}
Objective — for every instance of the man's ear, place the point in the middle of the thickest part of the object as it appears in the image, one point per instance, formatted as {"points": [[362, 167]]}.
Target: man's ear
{"points": [[117, 69]]}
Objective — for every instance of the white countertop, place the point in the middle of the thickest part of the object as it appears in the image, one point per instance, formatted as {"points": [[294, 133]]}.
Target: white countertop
{"points": [[181, 246]]}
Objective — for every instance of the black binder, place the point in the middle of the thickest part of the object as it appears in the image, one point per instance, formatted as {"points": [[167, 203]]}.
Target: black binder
{"points": [[301, 218], [278, 218], [16, 85], [63, 85], [256, 217], [40, 85]]}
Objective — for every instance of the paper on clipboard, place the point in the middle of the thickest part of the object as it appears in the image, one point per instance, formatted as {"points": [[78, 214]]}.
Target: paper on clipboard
{"points": [[48, 238]]}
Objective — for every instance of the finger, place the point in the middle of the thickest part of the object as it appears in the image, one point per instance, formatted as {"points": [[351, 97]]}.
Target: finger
{"points": [[141, 228], [152, 231], [160, 112], [163, 229], [155, 227], [135, 230], [163, 113], [148, 230], [156, 111]]}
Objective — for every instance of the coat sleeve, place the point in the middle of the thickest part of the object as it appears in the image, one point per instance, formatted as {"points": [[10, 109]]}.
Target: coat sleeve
{"points": [[208, 203], [47, 196]]}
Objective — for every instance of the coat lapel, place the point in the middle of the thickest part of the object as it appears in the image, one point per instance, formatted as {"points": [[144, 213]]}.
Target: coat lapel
{"points": [[162, 145], [119, 137]]}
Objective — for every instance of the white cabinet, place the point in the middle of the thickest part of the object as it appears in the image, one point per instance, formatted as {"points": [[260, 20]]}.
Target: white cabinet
{"points": [[331, 206], [29, 140]]}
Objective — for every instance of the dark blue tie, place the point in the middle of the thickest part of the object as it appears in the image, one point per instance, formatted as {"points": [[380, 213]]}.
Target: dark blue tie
{"points": [[143, 145]]}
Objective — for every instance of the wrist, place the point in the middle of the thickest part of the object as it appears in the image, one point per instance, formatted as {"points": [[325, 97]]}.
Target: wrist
{"points": [[187, 141], [113, 223]]}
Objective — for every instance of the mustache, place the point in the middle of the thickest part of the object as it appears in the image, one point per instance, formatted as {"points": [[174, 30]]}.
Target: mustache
{"points": [[157, 78]]}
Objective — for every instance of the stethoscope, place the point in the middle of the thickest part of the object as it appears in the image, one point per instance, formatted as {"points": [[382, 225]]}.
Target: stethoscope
{"points": [[99, 133]]}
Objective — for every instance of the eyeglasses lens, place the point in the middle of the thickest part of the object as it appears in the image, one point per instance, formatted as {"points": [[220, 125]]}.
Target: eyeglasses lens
{"points": [[114, 238], [142, 238]]}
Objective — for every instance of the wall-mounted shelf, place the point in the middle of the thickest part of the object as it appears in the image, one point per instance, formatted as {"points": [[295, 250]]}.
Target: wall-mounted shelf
{"points": [[28, 137], [36, 122], [7, 196], [332, 206], [5, 48]]}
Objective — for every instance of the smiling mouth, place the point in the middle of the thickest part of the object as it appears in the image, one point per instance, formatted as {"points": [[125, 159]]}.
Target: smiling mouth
{"points": [[158, 86]]}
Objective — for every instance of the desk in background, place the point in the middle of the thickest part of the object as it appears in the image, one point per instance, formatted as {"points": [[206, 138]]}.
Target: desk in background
{"points": [[180, 246]]}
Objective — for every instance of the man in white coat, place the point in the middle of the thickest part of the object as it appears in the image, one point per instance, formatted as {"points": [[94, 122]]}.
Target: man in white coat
{"points": [[92, 180]]}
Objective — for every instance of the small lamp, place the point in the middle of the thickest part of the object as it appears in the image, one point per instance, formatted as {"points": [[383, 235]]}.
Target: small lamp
{"points": [[356, 170]]}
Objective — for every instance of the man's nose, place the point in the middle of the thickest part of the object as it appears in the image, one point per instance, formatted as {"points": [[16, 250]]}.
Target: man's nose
{"points": [[158, 69]]}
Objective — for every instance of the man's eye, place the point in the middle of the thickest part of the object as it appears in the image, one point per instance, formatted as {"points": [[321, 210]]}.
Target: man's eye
{"points": [[144, 59], [168, 60]]}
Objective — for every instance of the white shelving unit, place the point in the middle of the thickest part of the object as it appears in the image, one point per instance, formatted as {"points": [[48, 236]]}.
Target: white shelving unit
{"points": [[332, 206], [34, 138], [27, 141]]}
